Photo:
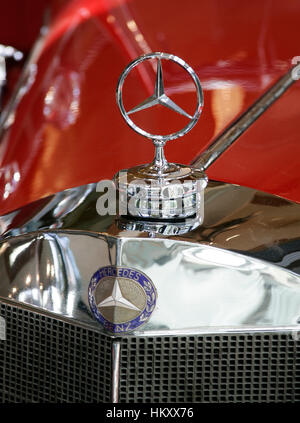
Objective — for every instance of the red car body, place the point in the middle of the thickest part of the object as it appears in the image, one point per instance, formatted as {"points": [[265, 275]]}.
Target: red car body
{"points": [[67, 130], [226, 324]]}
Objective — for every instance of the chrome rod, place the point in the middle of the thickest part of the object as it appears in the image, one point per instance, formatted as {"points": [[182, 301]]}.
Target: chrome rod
{"points": [[239, 126], [2, 76], [116, 349]]}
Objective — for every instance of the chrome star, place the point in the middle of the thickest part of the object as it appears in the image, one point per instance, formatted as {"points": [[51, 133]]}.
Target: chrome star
{"points": [[159, 96], [116, 299]]}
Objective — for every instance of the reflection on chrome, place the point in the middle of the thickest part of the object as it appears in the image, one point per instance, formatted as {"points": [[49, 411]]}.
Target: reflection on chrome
{"points": [[2, 73], [199, 287], [216, 256], [42, 279], [51, 248], [237, 219], [49, 212], [161, 228]]}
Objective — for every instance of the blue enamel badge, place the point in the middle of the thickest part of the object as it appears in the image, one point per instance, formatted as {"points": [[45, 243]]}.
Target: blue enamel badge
{"points": [[121, 298]]}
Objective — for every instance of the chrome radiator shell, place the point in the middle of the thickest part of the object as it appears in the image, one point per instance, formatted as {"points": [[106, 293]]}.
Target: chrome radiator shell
{"points": [[212, 338]]}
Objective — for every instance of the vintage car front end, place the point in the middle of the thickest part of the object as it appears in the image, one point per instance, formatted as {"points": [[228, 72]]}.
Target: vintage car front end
{"points": [[192, 294], [225, 325]]}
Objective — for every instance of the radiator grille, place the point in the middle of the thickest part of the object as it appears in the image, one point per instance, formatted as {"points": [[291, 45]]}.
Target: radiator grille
{"points": [[46, 360], [225, 368]]}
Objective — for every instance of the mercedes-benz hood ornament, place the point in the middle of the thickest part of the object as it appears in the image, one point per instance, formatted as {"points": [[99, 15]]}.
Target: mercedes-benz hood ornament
{"points": [[161, 191]]}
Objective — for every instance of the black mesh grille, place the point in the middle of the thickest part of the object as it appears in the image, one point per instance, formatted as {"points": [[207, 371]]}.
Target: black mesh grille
{"points": [[46, 360], [225, 368]]}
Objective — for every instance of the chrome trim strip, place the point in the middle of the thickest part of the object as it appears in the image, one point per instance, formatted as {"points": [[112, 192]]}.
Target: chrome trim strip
{"points": [[213, 330], [169, 333], [239, 126], [2, 77], [220, 330], [116, 350]]}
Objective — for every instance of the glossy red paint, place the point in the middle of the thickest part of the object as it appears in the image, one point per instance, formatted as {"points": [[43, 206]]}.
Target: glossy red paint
{"points": [[20, 22], [67, 129], [267, 154]]}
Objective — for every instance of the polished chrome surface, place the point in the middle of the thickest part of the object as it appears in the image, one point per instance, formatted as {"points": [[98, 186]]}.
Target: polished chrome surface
{"points": [[116, 348], [172, 196], [2, 75], [2, 329], [199, 288], [159, 96], [142, 189], [50, 250], [237, 218], [168, 228], [231, 134]]}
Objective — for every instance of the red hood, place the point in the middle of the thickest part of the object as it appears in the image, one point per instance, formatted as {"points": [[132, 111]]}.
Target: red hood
{"points": [[67, 130]]}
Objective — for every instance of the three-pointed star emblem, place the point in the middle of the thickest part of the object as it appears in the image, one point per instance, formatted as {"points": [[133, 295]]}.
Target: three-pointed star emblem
{"points": [[159, 96], [116, 299]]}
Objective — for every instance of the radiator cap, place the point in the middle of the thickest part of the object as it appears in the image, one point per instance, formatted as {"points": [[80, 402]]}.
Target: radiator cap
{"points": [[160, 192]]}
